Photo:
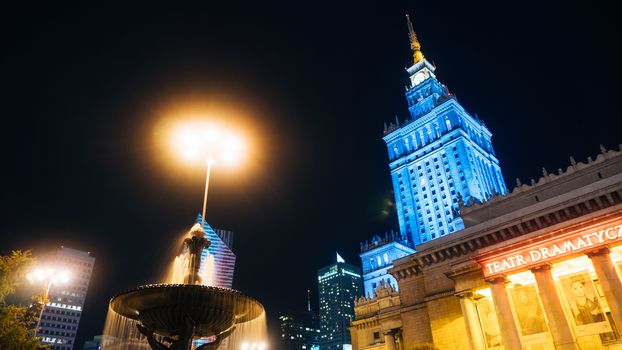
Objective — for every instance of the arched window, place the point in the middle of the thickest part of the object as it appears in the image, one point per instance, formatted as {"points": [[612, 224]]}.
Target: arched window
{"points": [[386, 258], [448, 123]]}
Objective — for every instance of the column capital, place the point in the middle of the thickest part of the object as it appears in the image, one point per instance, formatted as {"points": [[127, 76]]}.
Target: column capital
{"points": [[390, 332], [465, 294], [497, 279], [542, 267], [599, 251]]}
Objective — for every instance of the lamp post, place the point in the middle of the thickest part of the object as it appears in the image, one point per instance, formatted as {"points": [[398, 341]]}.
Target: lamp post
{"points": [[209, 143], [210, 162], [50, 275]]}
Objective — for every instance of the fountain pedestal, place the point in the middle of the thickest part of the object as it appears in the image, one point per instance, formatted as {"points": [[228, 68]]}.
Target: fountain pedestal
{"points": [[172, 315]]}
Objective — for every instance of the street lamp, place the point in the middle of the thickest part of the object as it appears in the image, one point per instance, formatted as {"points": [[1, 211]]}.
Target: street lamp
{"points": [[209, 143], [49, 276]]}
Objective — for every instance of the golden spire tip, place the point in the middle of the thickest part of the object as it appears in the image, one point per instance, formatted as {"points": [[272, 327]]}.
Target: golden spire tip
{"points": [[415, 46]]}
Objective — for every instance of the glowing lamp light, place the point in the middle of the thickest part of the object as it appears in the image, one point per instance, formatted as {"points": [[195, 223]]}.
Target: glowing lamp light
{"points": [[49, 274], [204, 141], [187, 143], [36, 275]]}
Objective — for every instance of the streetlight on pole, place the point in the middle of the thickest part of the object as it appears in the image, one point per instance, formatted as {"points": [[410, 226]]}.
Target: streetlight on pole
{"points": [[49, 275], [209, 162], [209, 143]]}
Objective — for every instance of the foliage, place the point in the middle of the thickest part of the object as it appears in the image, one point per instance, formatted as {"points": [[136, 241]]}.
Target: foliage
{"points": [[12, 271], [17, 322], [15, 333], [424, 346]]}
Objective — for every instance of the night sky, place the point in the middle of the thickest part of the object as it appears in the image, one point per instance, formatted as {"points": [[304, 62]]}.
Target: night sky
{"points": [[85, 87]]}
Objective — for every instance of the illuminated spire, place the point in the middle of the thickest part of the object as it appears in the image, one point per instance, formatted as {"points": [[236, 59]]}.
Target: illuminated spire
{"points": [[309, 300], [414, 42]]}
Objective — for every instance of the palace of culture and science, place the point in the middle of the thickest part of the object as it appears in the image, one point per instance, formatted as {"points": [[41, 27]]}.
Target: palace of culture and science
{"points": [[439, 156], [477, 266]]}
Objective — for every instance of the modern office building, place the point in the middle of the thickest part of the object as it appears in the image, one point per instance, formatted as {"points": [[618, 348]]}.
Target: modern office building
{"points": [[61, 315], [339, 285], [300, 330], [377, 258], [439, 155], [218, 258]]}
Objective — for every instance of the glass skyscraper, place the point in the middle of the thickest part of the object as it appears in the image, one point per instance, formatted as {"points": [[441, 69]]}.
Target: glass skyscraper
{"points": [[339, 284], [218, 258], [61, 316]]}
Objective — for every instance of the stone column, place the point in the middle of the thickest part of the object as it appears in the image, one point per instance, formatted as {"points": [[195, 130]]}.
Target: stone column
{"points": [[389, 340], [610, 283], [558, 324], [399, 340], [476, 338], [354, 338], [509, 332]]}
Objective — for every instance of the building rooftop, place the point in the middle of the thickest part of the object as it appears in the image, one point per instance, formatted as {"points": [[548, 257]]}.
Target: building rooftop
{"points": [[389, 236], [547, 186]]}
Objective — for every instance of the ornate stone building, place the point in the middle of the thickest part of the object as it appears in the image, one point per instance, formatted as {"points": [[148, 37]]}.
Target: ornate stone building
{"points": [[537, 268], [377, 256], [378, 324], [437, 155]]}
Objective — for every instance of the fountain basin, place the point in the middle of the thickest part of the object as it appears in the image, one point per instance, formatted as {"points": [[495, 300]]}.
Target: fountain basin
{"points": [[166, 308]]}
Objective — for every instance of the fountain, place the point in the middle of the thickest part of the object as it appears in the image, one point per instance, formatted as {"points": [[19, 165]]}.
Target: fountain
{"points": [[172, 316], [185, 312]]}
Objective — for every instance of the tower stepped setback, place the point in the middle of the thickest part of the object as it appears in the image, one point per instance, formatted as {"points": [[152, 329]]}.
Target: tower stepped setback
{"points": [[440, 154], [440, 158]]}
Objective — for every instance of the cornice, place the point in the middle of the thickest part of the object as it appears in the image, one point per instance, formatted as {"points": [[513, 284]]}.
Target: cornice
{"points": [[545, 179]]}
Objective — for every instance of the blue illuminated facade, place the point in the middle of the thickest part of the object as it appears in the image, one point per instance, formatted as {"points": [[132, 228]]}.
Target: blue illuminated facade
{"points": [[218, 258], [439, 154], [377, 258]]}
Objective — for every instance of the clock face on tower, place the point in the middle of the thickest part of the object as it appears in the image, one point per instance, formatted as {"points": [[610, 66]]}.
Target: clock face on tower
{"points": [[419, 77]]}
